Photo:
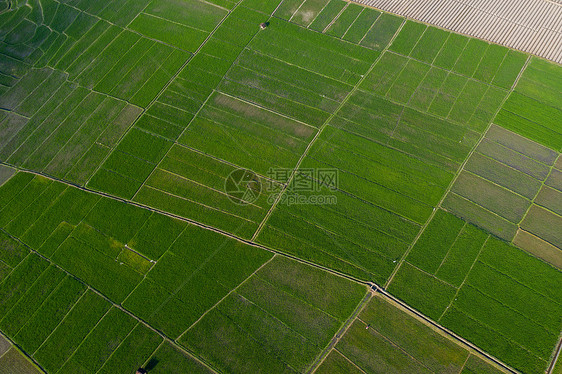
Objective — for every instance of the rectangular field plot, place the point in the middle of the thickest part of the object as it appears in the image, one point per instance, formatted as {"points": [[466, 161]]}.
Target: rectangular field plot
{"points": [[183, 25], [378, 174], [312, 95], [492, 301], [283, 298], [544, 224], [538, 247], [429, 44], [480, 216], [12, 360], [101, 54], [247, 135], [500, 201], [534, 110], [444, 93], [348, 21], [60, 135], [285, 50], [432, 140], [199, 269], [186, 94], [11, 254], [193, 185], [408, 37], [117, 12], [307, 11], [132, 161], [170, 359], [382, 32], [326, 15], [533, 119], [127, 168], [384, 338], [501, 188], [362, 25], [351, 235], [343, 21]]}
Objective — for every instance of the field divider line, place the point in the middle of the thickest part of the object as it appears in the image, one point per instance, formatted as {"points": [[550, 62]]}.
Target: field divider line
{"points": [[87, 335], [555, 356], [464, 280], [465, 361], [201, 204], [10, 111], [431, 275], [248, 242], [62, 319], [193, 222], [168, 83], [296, 11], [112, 304], [116, 348], [451, 247], [55, 289], [154, 263], [316, 16], [147, 361], [351, 24], [395, 344], [265, 109], [543, 184], [348, 360], [369, 30], [335, 18], [225, 296], [21, 351], [196, 114], [39, 126], [341, 332], [320, 130], [461, 168], [445, 331], [437, 207]]}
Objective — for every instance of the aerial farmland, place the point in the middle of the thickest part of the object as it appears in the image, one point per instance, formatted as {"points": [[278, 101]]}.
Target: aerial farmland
{"points": [[280, 186]]}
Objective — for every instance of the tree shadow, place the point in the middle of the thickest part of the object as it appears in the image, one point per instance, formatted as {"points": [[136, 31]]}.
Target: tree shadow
{"points": [[151, 364]]}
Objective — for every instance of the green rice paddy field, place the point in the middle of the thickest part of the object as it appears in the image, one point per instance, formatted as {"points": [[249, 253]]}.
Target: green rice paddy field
{"points": [[121, 121]]}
